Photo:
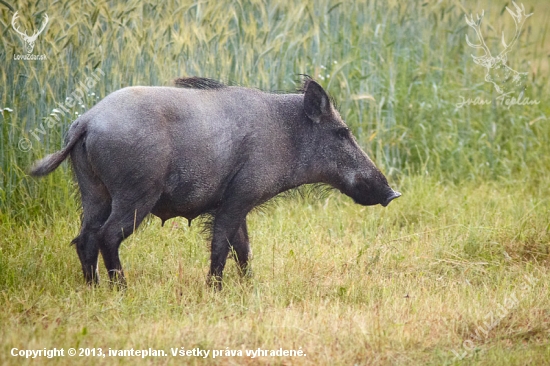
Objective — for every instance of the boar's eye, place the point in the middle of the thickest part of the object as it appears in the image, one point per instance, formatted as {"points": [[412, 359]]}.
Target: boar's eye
{"points": [[342, 133]]}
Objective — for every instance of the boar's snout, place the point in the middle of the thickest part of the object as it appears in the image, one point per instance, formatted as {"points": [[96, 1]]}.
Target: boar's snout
{"points": [[372, 192], [392, 195]]}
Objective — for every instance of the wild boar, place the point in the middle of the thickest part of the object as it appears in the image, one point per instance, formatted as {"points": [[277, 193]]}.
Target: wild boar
{"points": [[204, 148]]}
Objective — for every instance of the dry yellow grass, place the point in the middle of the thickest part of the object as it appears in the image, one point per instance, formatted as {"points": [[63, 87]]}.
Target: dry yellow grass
{"points": [[410, 284]]}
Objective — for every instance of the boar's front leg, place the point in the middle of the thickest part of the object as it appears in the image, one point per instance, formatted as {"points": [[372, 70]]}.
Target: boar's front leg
{"points": [[240, 246], [229, 231]]}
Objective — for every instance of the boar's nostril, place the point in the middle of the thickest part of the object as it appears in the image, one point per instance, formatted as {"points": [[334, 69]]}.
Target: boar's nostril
{"points": [[393, 195]]}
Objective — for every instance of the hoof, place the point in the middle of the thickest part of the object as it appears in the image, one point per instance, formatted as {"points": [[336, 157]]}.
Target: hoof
{"points": [[117, 279], [214, 282]]}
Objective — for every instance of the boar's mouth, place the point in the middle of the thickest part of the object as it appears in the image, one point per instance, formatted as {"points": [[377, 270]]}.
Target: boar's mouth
{"points": [[375, 200], [369, 195]]}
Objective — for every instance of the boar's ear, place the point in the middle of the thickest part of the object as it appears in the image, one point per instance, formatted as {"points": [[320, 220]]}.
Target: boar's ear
{"points": [[316, 101]]}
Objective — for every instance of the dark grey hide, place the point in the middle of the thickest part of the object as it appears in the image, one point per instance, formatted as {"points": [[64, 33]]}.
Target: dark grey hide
{"points": [[204, 148]]}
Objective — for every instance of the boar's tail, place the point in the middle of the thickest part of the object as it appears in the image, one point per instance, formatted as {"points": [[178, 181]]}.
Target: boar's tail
{"points": [[48, 164]]}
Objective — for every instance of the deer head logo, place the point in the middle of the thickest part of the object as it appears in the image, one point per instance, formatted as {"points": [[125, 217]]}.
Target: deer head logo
{"points": [[28, 40], [499, 73]]}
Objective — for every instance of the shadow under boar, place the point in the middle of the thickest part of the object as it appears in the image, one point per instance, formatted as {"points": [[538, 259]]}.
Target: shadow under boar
{"points": [[204, 148]]}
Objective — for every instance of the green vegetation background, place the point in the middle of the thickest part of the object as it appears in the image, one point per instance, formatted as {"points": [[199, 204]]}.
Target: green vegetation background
{"points": [[474, 181]]}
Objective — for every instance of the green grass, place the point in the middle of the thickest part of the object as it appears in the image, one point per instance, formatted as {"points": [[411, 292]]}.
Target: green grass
{"points": [[406, 284]]}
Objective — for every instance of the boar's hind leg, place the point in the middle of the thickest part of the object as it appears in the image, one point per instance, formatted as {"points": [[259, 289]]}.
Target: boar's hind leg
{"points": [[122, 222], [96, 210], [240, 246]]}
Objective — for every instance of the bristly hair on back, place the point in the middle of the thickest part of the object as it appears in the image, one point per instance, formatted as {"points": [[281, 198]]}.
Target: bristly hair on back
{"points": [[195, 82]]}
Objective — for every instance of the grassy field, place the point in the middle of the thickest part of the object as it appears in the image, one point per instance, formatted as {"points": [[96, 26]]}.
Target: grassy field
{"points": [[456, 271]]}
